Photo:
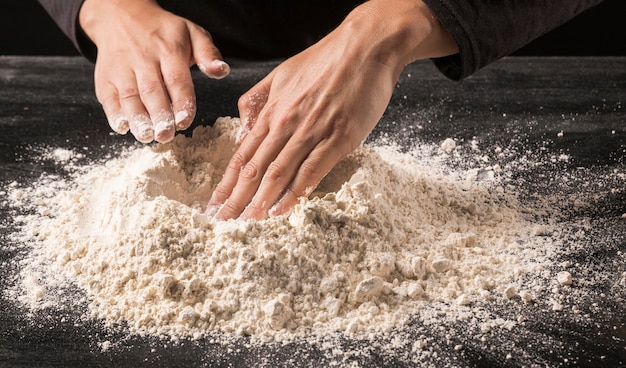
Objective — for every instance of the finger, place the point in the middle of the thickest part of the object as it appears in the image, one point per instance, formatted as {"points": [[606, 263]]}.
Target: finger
{"points": [[250, 105], [243, 154], [110, 101], [179, 85], [216, 69], [251, 175], [156, 101], [205, 54], [279, 174], [309, 175], [246, 150], [244, 173], [141, 127], [133, 108]]}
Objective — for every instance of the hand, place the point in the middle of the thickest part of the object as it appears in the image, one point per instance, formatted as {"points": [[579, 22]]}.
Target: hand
{"points": [[142, 75], [320, 105]]}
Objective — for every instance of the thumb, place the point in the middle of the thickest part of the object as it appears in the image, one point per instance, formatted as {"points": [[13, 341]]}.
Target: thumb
{"points": [[205, 54], [250, 105]]}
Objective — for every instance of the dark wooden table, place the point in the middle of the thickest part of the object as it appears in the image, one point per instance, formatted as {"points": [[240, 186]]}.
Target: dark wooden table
{"points": [[519, 103]]}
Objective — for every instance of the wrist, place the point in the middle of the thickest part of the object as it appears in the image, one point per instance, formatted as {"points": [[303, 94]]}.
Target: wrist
{"points": [[400, 31], [94, 15]]}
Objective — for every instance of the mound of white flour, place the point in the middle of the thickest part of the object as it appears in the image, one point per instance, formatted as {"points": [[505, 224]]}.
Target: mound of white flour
{"points": [[382, 236]]}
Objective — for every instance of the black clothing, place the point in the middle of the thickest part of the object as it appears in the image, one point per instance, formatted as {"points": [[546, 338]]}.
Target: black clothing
{"points": [[487, 30], [484, 30]]}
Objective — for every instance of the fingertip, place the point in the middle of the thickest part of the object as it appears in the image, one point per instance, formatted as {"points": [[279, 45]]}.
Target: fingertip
{"points": [[164, 131], [142, 129], [216, 69], [211, 210], [284, 205], [205, 54], [185, 115], [119, 123], [280, 208], [164, 126], [182, 120], [220, 213], [215, 203]]}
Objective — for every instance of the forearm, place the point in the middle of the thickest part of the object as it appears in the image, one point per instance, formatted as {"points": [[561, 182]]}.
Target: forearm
{"points": [[65, 15], [486, 31], [96, 17], [398, 32]]}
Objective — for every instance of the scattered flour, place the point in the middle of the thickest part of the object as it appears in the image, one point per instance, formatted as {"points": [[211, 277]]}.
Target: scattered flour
{"points": [[381, 238], [448, 145], [564, 278], [62, 155]]}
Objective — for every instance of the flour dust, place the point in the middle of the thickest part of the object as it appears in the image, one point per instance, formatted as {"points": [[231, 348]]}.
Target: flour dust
{"points": [[384, 238]]}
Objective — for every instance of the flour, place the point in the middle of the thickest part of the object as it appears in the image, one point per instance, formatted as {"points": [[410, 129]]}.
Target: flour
{"points": [[381, 238]]}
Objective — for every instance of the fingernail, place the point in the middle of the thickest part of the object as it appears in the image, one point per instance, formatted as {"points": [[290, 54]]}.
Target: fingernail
{"points": [[222, 66], [218, 215], [141, 126], [119, 124], [164, 131], [216, 69], [277, 209], [184, 116], [180, 118]]}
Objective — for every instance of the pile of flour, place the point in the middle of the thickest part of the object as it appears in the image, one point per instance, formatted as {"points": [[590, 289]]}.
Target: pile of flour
{"points": [[383, 236]]}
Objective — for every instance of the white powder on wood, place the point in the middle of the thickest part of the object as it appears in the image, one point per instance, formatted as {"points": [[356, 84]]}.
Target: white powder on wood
{"points": [[564, 278], [381, 237]]}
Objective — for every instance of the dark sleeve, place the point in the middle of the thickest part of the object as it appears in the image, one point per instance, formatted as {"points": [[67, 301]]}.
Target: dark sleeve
{"points": [[487, 30], [65, 14]]}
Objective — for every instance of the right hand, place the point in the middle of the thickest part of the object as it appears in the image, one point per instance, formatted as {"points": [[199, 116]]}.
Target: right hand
{"points": [[142, 76], [319, 105]]}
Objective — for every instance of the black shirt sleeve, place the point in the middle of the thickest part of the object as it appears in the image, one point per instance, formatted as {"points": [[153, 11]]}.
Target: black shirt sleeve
{"points": [[65, 14], [484, 31], [487, 30]]}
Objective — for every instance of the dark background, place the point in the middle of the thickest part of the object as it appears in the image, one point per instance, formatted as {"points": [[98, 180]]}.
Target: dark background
{"points": [[26, 29]]}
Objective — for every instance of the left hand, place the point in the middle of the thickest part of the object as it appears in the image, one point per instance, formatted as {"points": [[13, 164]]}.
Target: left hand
{"points": [[314, 109], [142, 76]]}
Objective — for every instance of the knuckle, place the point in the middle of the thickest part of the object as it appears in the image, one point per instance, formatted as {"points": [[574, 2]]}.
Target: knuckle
{"points": [[342, 128], [275, 171], [236, 162], [259, 131], [344, 136], [243, 103], [165, 47], [150, 87], [311, 122], [221, 193], [177, 78], [231, 208], [128, 93], [310, 170], [168, 46], [256, 206], [251, 100], [250, 171], [107, 99]]}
